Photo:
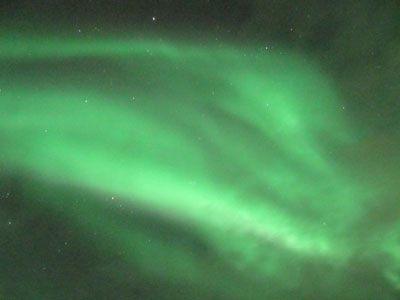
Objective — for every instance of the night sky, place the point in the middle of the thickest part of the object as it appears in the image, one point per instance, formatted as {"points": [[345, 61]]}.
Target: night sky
{"points": [[199, 149]]}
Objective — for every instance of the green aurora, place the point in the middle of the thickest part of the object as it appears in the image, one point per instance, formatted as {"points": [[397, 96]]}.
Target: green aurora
{"points": [[249, 149]]}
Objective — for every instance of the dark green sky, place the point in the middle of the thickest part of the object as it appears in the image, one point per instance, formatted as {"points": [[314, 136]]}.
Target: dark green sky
{"points": [[356, 41], [199, 150]]}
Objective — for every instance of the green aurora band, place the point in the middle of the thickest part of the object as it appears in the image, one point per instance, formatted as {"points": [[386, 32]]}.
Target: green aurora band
{"points": [[242, 145]]}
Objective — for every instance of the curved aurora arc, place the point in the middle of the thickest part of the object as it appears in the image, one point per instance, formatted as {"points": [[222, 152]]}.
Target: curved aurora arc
{"points": [[235, 143]]}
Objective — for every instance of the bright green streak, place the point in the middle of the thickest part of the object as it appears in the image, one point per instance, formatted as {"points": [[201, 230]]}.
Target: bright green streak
{"points": [[236, 143]]}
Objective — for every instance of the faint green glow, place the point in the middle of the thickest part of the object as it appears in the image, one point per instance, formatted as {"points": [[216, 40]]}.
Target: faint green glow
{"points": [[235, 142]]}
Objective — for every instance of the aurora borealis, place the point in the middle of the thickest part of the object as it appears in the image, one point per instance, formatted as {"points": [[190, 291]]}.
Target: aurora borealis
{"points": [[187, 169]]}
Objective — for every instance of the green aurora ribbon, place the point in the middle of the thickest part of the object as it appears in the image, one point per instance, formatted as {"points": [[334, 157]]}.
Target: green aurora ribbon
{"points": [[244, 146]]}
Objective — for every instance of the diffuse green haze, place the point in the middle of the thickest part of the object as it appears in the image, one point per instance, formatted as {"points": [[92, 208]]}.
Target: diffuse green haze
{"points": [[236, 143]]}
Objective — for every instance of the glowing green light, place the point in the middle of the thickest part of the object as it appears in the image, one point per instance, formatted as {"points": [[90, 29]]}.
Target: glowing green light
{"points": [[234, 142]]}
